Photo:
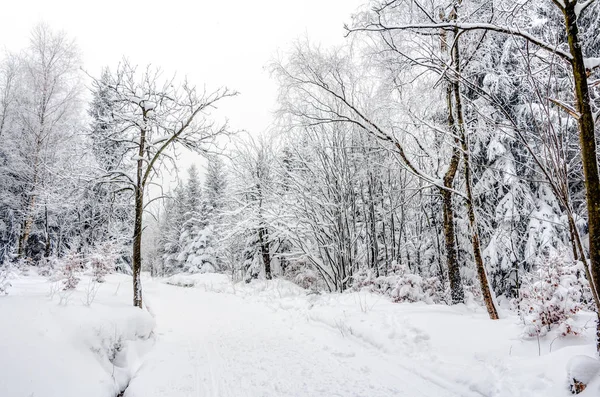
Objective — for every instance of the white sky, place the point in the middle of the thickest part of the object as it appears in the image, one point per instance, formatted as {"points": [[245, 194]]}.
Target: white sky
{"points": [[212, 42]]}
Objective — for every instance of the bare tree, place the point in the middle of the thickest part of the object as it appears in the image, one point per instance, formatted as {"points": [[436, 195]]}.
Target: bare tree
{"points": [[152, 115], [9, 70], [321, 88]]}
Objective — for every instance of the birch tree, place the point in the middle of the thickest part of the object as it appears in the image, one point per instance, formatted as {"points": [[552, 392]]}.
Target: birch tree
{"points": [[47, 102]]}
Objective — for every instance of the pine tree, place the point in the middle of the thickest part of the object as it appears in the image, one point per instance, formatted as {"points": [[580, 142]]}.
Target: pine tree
{"points": [[215, 185], [171, 228], [192, 201], [108, 145], [214, 205], [106, 205], [196, 252], [251, 266]]}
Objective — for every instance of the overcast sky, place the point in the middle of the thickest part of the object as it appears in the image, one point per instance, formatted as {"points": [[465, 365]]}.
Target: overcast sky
{"points": [[213, 42]]}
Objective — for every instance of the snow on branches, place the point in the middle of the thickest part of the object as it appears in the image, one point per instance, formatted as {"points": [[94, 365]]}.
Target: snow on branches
{"points": [[402, 285], [551, 296]]}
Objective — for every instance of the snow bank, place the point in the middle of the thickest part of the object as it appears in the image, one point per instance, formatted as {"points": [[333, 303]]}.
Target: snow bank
{"points": [[591, 63], [210, 282], [582, 374], [221, 283], [53, 343]]}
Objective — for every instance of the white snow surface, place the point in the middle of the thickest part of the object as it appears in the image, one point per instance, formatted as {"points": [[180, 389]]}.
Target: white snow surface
{"points": [[53, 344], [583, 368], [591, 63], [212, 337]]}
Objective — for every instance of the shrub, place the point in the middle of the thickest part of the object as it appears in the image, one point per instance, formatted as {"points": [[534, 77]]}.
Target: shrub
{"points": [[302, 273], [401, 286], [103, 261], [551, 296], [72, 263], [5, 276]]}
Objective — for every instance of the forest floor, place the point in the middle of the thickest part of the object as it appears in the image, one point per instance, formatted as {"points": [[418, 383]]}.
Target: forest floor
{"points": [[203, 335]]}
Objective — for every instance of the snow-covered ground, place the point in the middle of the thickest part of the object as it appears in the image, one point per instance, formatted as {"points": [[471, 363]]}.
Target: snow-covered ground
{"points": [[54, 343], [215, 338]]}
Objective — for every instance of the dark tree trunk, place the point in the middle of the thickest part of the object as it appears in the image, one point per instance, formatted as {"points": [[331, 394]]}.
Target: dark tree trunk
{"points": [[263, 236], [456, 288], [28, 223], [47, 228], [137, 228], [137, 247], [587, 140]]}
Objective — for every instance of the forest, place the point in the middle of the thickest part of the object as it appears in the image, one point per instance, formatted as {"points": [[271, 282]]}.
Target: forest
{"points": [[445, 153]]}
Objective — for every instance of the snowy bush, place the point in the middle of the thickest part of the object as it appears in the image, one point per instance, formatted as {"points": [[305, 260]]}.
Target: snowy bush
{"points": [[414, 288], [307, 278], [71, 264], [23, 265], [301, 273], [100, 267], [581, 370], [5, 275], [48, 265], [401, 286], [551, 295], [103, 260]]}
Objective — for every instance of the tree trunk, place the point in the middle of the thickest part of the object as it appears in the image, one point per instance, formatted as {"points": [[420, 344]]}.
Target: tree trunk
{"points": [[263, 237], [456, 287], [137, 246], [587, 140], [27, 226], [486, 291], [137, 228], [580, 254], [47, 248]]}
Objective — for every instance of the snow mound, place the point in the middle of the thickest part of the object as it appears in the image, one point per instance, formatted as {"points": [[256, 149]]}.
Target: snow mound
{"points": [[221, 283], [54, 343], [270, 289], [209, 282], [581, 371], [591, 63]]}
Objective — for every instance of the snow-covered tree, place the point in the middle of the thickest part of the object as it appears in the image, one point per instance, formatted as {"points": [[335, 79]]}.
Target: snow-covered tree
{"points": [[195, 242], [155, 115], [171, 226], [252, 188]]}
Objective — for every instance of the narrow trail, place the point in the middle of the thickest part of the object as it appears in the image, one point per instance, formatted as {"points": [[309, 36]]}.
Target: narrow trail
{"points": [[221, 344]]}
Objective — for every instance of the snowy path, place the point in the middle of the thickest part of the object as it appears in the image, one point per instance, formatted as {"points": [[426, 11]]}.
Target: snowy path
{"points": [[221, 344], [267, 339]]}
